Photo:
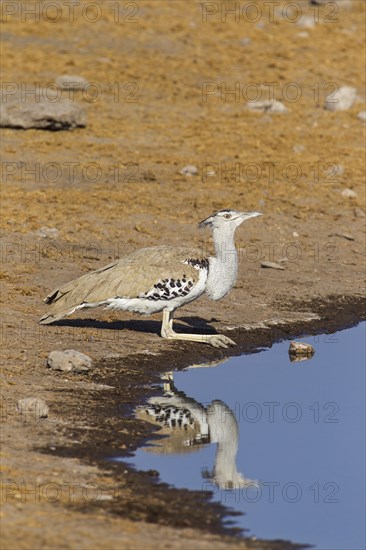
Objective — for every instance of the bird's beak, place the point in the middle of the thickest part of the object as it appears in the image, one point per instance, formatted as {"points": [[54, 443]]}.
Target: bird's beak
{"points": [[247, 215], [206, 223]]}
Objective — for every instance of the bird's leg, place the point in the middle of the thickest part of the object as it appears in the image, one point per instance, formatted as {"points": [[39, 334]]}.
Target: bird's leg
{"points": [[168, 378], [215, 340]]}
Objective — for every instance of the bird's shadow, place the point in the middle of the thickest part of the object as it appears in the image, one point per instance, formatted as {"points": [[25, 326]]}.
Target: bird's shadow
{"points": [[147, 326]]}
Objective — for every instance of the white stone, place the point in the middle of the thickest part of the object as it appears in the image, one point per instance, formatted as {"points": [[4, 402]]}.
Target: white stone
{"points": [[43, 113], [362, 116], [306, 22], [50, 232], [342, 99], [334, 170], [349, 193], [189, 170], [272, 106], [272, 265], [69, 360], [69, 82]]}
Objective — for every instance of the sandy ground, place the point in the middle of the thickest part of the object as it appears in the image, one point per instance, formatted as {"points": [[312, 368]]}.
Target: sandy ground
{"points": [[161, 75]]}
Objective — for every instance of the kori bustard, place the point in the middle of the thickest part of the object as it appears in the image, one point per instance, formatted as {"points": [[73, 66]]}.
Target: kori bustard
{"points": [[160, 278]]}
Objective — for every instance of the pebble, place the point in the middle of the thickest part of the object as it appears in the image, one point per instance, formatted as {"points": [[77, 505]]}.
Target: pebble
{"points": [[347, 236], [298, 148], [303, 34], [50, 232], [349, 193], [295, 234], [359, 213], [189, 170], [51, 113], [272, 265], [334, 170], [301, 349], [69, 82], [272, 106], [103, 60], [69, 360], [341, 100], [33, 406], [245, 41], [306, 22], [362, 116]]}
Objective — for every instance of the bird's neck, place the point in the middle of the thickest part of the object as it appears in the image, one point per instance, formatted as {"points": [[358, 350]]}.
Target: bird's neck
{"points": [[224, 245], [223, 266]]}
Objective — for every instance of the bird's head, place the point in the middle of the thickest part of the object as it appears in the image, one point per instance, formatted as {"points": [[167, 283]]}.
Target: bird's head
{"points": [[227, 219]]}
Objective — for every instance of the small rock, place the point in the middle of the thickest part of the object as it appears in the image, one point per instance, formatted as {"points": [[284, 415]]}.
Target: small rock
{"points": [[334, 170], [51, 113], [272, 265], [341, 100], [295, 234], [103, 60], [298, 148], [359, 213], [69, 360], [271, 106], [349, 193], [343, 236], [33, 407], [189, 170], [306, 22], [362, 116], [69, 82], [50, 232], [245, 41], [347, 236], [303, 34], [300, 349]]}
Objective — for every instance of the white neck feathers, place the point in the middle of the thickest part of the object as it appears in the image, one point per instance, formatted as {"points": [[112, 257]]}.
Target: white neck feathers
{"points": [[223, 267]]}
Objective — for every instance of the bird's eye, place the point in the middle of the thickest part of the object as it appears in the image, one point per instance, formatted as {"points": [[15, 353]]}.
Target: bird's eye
{"points": [[227, 216]]}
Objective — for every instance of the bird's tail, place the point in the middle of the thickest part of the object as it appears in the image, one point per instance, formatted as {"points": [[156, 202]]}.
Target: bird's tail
{"points": [[61, 303], [52, 317]]}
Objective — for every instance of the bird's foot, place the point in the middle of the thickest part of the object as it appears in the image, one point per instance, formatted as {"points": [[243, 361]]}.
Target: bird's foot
{"points": [[215, 340], [220, 341]]}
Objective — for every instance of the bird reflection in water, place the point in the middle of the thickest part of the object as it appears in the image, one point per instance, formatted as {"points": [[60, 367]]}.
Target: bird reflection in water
{"points": [[187, 425]]}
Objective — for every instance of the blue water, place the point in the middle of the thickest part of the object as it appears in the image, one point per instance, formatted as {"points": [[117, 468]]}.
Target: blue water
{"points": [[301, 436]]}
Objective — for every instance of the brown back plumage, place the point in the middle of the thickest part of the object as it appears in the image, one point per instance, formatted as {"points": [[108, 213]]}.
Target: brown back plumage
{"points": [[127, 277]]}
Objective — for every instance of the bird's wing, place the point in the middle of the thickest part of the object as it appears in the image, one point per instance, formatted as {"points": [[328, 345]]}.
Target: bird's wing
{"points": [[129, 277]]}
